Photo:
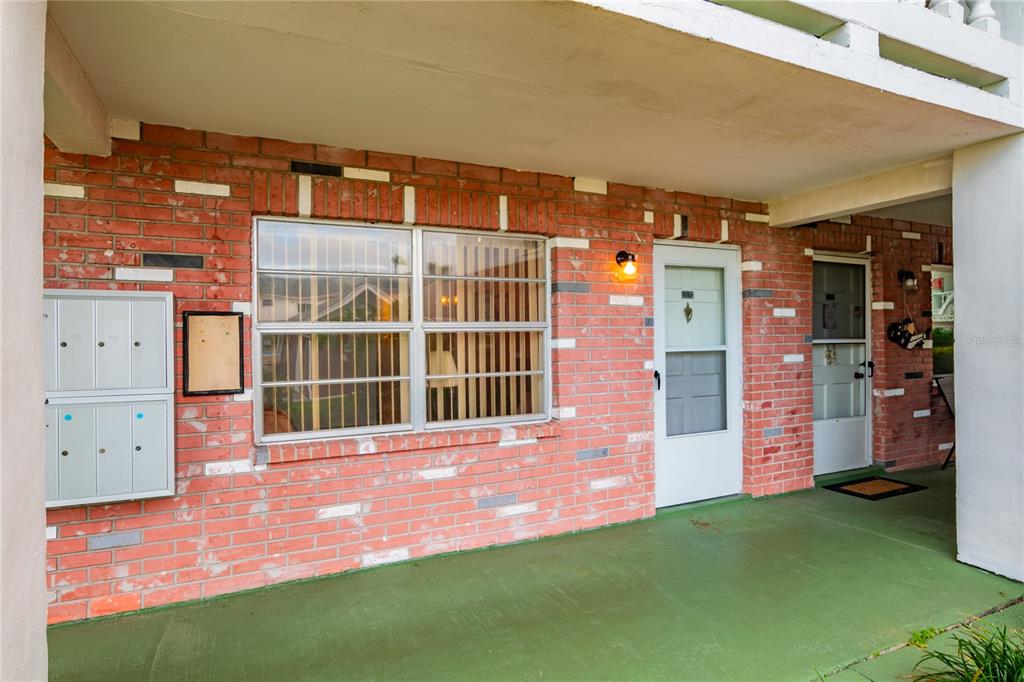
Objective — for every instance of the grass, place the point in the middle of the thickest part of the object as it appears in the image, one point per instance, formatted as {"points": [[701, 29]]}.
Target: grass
{"points": [[981, 655], [921, 637]]}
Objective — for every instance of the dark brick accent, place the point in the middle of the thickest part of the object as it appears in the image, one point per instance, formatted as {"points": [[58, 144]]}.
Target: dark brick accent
{"points": [[648, 321], [316, 169], [591, 453], [914, 375], [171, 260], [108, 540], [773, 432], [496, 501], [758, 293], [570, 287]]}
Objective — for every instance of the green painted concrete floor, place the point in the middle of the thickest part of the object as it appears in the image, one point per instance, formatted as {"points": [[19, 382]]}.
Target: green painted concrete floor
{"points": [[770, 589]]}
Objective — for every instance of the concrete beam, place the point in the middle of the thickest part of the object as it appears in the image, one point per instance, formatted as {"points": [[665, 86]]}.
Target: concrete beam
{"points": [[76, 119], [896, 186]]}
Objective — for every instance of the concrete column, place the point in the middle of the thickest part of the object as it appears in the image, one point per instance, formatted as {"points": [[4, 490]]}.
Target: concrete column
{"points": [[988, 244], [22, 513]]}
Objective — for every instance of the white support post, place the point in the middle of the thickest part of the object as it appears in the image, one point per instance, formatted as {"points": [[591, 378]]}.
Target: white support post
{"points": [[22, 508], [988, 239]]}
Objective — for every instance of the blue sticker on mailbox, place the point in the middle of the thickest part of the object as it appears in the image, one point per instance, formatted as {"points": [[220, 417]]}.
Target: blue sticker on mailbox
{"points": [[67, 417], [138, 415]]}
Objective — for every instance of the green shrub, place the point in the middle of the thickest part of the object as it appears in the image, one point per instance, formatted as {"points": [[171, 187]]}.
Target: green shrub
{"points": [[983, 655]]}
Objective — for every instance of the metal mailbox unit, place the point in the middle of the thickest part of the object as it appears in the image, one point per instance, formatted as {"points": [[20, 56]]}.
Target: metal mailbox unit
{"points": [[109, 381]]}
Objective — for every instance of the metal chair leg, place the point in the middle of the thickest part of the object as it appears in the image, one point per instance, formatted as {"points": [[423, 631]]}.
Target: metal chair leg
{"points": [[949, 457]]}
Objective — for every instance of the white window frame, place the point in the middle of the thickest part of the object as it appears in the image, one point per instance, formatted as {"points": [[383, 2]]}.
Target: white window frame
{"points": [[417, 330]]}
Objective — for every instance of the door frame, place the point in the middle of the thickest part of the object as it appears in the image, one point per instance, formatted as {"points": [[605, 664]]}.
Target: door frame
{"points": [[733, 320], [866, 261]]}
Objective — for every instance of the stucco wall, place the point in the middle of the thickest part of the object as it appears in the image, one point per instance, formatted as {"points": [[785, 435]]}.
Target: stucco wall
{"points": [[22, 539]]}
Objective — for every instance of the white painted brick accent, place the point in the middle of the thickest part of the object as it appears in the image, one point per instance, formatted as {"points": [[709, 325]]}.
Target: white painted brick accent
{"points": [[926, 268], [231, 466], [409, 205], [435, 474], [591, 185], [243, 307], [144, 274], [784, 312], [751, 266], [563, 412], [882, 305], [808, 252], [514, 442], [569, 243], [648, 364], [757, 217], [888, 392], [367, 446], [725, 230], [928, 343], [56, 189], [51, 532], [366, 174], [503, 213], [795, 357], [613, 482], [388, 556], [648, 216], [243, 397], [912, 235], [945, 446], [639, 437], [210, 188], [563, 343], [516, 509], [677, 226], [125, 129], [922, 413], [625, 300], [305, 195], [339, 511]]}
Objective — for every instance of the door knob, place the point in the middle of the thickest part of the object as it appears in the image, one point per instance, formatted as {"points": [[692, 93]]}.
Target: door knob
{"points": [[63, 453], [858, 375]]}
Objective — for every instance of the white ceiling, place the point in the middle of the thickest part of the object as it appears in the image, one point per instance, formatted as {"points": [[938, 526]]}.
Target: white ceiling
{"points": [[557, 87], [934, 211]]}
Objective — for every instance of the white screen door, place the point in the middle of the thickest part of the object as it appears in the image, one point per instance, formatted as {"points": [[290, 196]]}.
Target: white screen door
{"points": [[697, 425], [841, 366]]}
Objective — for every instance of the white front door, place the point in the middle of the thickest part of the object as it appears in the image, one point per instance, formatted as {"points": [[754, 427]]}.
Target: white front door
{"points": [[697, 427], [842, 367]]}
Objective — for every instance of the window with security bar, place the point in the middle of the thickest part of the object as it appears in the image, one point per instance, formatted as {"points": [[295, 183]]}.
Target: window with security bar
{"points": [[368, 329]]}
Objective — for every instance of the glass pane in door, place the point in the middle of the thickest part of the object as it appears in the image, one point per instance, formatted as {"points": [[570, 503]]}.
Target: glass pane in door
{"points": [[694, 392], [838, 300], [838, 393], [694, 307]]}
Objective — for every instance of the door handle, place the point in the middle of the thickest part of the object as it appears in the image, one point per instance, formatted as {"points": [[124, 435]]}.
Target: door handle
{"points": [[871, 369], [858, 375], [657, 380]]}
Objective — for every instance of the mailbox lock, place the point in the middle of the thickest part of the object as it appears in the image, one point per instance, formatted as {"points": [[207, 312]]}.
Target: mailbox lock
{"points": [[137, 448], [63, 453], [102, 344], [63, 344]]}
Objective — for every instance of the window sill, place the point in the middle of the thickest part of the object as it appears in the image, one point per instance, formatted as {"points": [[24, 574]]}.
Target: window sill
{"points": [[510, 435]]}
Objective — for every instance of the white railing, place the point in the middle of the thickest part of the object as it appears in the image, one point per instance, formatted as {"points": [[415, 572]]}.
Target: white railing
{"points": [[978, 14]]}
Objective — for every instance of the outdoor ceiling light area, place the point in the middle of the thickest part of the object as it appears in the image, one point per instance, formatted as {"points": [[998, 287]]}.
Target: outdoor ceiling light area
{"points": [[627, 264]]}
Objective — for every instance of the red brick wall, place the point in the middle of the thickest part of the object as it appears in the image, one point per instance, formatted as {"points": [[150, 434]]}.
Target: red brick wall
{"points": [[234, 525]]}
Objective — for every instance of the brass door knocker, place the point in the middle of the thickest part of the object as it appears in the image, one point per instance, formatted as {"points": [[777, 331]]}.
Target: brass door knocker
{"points": [[688, 313]]}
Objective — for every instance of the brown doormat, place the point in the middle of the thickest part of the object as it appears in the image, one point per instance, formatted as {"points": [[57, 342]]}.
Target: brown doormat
{"points": [[874, 488]]}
